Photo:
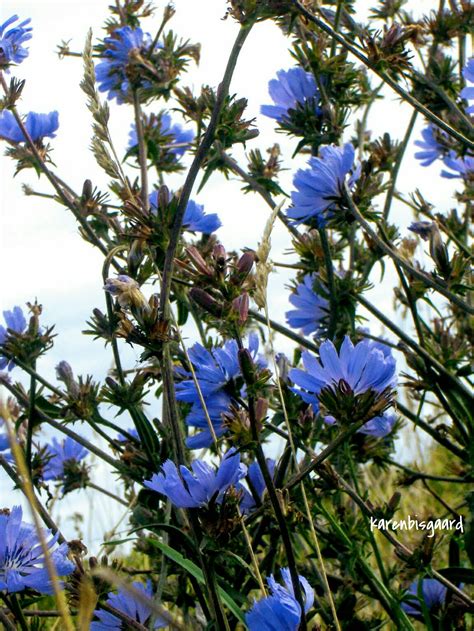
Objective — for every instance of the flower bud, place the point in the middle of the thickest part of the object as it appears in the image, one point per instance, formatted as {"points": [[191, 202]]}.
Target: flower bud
{"points": [[87, 190], [207, 302], [198, 261], [65, 374], [241, 305]]}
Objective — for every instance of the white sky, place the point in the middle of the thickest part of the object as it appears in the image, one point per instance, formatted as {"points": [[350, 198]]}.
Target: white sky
{"points": [[42, 255]]}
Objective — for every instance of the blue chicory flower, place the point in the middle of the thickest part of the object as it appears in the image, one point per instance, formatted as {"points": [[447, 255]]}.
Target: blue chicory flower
{"points": [[255, 475], [320, 188], [366, 366], [458, 167], [467, 93], [127, 602], [60, 455], [433, 594], [201, 485], [15, 321], [195, 219], [216, 371], [12, 50], [123, 47], [377, 427], [179, 136], [423, 229], [280, 611], [22, 561], [311, 308], [38, 126], [290, 88], [431, 148]]}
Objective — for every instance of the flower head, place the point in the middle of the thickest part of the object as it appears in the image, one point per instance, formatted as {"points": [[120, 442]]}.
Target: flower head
{"points": [[22, 561], [62, 457], [458, 167], [12, 50], [280, 611], [377, 427], [431, 148], [311, 308], [290, 88], [15, 321], [255, 476], [120, 71], [127, 602], [423, 229], [38, 126], [219, 376], [433, 594], [467, 93], [355, 370], [195, 219], [201, 485], [179, 138], [320, 189]]}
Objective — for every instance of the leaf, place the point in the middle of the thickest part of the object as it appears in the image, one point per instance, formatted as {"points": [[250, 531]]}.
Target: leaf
{"points": [[195, 571], [458, 574]]}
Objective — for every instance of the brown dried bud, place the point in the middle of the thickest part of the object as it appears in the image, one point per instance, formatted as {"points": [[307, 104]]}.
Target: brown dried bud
{"points": [[198, 261], [207, 302], [241, 305]]}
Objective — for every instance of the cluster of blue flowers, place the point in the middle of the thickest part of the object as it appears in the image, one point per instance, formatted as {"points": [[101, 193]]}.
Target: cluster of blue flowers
{"points": [[22, 560], [195, 219], [366, 366], [122, 51], [435, 143], [12, 50], [280, 611], [38, 126], [216, 371]]}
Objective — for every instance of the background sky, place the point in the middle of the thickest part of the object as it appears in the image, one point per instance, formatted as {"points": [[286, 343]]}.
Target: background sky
{"points": [[42, 255]]}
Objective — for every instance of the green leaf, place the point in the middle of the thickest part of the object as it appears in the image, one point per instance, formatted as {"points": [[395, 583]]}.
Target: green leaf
{"points": [[195, 571]]}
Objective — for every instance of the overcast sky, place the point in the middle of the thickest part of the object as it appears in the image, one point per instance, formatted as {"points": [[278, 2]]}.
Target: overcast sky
{"points": [[42, 255]]}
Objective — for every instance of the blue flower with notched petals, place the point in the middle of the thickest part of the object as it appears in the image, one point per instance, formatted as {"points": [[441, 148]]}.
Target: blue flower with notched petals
{"points": [[311, 308], [432, 592], [127, 603], [195, 219], [12, 50], [15, 321], [467, 93], [180, 138], [431, 148], [290, 88], [366, 366], [61, 455], [458, 167], [216, 371], [320, 188], [201, 485], [22, 560], [123, 48], [280, 611], [255, 479], [38, 126]]}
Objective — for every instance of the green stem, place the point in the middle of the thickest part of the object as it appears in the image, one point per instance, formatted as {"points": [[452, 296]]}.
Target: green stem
{"points": [[31, 419], [331, 284]]}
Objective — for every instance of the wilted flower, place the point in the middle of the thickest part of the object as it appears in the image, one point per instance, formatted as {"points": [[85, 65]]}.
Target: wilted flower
{"points": [[38, 126], [128, 603], [217, 372], [320, 188], [355, 370], [422, 228], [255, 477], [311, 308], [15, 321], [290, 88], [281, 610], [431, 148], [12, 40], [116, 73], [62, 459], [433, 594], [195, 219], [202, 485], [180, 138], [459, 167], [127, 291], [467, 93], [22, 561]]}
